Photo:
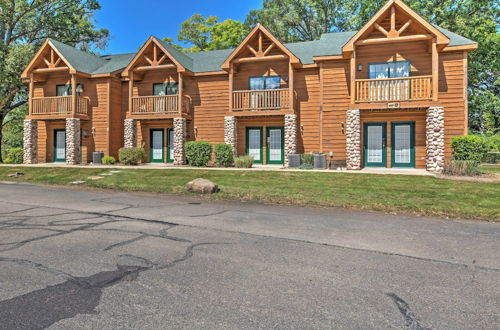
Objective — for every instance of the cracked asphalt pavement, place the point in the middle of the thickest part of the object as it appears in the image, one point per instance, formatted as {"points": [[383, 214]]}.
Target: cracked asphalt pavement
{"points": [[88, 259]]}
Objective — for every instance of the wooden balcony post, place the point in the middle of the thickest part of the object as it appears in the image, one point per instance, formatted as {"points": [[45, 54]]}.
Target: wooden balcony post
{"points": [[180, 91], [30, 95], [231, 73], [73, 95], [353, 76], [130, 91], [435, 71], [290, 85]]}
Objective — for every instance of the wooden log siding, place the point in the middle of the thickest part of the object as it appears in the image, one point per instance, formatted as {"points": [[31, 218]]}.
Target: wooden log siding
{"points": [[261, 100], [394, 89], [59, 105]]}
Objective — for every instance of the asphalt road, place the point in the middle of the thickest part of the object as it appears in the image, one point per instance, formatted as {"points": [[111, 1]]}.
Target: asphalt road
{"points": [[73, 259]]}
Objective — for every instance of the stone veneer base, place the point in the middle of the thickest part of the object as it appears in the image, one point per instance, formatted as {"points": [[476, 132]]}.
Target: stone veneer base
{"points": [[130, 133], [72, 141], [30, 131], [435, 139], [179, 140], [353, 140], [290, 136]]}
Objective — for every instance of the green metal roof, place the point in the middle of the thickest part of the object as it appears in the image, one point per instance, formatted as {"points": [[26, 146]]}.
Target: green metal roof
{"points": [[328, 44]]}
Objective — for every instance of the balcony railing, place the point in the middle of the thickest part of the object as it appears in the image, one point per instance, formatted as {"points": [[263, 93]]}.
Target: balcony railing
{"points": [[59, 105], [394, 89], [261, 100], [159, 104]]}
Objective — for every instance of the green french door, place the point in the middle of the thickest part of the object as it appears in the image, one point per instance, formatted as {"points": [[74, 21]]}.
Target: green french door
{"points": [[254, 143], [170, 143], [374, 144], [403, 144], [156, 149], [275, 149], [59, 145]]}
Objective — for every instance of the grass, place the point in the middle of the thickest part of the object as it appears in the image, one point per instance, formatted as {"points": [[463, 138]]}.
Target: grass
{"points": [[388, 193], [490, 169]]}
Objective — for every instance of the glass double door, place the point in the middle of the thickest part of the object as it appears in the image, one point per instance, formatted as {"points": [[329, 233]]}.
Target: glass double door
{"points": [[274, 144], [59, 145], [158, 141], [402, 144]]}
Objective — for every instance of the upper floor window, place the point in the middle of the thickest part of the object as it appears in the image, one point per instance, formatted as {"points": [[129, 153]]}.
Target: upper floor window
{"points": [[166, 88], [261, 83], [399, 69], [67, 90]]}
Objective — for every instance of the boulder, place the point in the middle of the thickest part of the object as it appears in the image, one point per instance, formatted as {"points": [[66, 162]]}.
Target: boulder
{"points": [[202, 186]]}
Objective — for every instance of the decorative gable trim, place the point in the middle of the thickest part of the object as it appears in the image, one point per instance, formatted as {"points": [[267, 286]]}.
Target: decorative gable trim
{"points": [[52, 63], [395, 34], [260, 52]]}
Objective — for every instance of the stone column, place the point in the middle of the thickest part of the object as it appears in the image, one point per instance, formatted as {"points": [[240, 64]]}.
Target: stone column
{"points": [[130, 133], [30, 132], [179, 140], [435, 139], [353, 140], [72, 141], [230, 132], [290, 136]]}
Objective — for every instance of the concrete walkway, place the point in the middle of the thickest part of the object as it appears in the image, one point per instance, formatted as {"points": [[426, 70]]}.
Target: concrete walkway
{"points": [[152, 166]]}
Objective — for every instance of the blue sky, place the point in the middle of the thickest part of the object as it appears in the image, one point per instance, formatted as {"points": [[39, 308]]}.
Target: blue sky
{"points": [[131, 22]]}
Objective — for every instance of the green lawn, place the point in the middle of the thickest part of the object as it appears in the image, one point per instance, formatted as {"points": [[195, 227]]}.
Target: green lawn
{"points": [[490, 168], [389, 193]]}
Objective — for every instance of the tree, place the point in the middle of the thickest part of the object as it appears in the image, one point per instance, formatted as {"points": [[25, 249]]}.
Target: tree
{"points": [[24, 25], [300, 20], [208, 34]]}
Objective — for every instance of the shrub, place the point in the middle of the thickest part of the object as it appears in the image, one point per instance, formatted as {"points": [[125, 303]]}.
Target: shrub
{"points": [[109, 160], [198, 153], [470, 147], [307, 159], [224, 155], [131, 156], [243, 162], [14, 156], [306, 166], [494, 142], [461, 167], [491, 158]]}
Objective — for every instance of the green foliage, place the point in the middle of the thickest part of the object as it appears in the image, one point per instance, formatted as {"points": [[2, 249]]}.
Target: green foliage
{"points": [[131, 156], [491, 158], [209, 34], [109, 160], [493, 142], [243, 162], [306, 166], [461, 167], [291, 20], [307, 159], [14, 156], [224, 155], [470, 147], [198, 153], [24, 26]]}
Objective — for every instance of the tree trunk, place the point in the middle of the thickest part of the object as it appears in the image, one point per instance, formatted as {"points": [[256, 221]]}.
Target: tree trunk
{"points": [[1, 137]]}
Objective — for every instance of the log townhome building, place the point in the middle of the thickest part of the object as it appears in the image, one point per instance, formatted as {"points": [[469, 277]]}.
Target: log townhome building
{"points": [[390, 95]]}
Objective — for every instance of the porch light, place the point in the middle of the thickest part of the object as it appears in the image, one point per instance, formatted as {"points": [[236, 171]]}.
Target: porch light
{"points": [[360, 67], [79, 88]]}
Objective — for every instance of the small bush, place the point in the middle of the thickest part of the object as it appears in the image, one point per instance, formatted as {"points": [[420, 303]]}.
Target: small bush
{"points": [[461, 167], [14, 156], [306, 167], [307, 159], [491, 158], [470, 147], [198, 153], [131, 156], [109, 160], [494, 142], [224, 155], [243, 162]]}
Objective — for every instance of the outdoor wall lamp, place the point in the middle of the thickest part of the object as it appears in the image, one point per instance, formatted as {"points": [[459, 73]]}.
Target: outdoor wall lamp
{"points": [[93, 131], [343, 127], [196, 131], [360, 67]]}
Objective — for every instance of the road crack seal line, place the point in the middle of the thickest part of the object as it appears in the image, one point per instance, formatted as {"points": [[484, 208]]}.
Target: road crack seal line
{"points": [[411, 321]]}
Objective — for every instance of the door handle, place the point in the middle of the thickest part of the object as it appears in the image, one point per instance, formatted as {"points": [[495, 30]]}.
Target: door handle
{"points": [[383, 143]]}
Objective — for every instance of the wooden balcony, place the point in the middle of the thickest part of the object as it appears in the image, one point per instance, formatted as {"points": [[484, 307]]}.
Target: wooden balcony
{"points": [[162, 106], [394, 89], [264, 102], [60, 107]]}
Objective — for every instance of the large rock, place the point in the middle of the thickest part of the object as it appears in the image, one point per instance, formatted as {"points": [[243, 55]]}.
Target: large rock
{"points": [[202, 186]]}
